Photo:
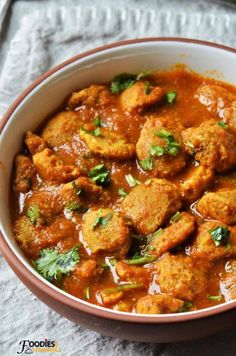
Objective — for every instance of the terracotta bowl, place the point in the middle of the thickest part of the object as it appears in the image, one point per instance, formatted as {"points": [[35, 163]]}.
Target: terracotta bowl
{"points": [[39, 100]]}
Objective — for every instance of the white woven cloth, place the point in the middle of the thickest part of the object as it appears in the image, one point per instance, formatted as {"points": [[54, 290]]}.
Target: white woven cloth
{"points": [[40, 35]]}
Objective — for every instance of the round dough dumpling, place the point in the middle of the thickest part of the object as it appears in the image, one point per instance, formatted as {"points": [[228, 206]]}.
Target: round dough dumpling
{"points": [[182, 276], [151, 204], [220, 102], [158, 304], [159, 146], [212, 145], [215, 98], [220, 205], [94, 95], [61, 128], [107, 143], [105, 230], [214, 241]]}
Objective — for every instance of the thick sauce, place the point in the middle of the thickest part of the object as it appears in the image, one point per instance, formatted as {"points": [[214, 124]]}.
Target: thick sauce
{"points": [[53, 208]]}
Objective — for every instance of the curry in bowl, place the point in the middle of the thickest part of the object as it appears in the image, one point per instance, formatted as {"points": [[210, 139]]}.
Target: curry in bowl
{"points": [[126, 198]]}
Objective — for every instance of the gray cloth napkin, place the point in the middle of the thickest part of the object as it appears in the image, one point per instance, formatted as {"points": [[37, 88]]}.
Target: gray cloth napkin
{"points": [[40, 35]]}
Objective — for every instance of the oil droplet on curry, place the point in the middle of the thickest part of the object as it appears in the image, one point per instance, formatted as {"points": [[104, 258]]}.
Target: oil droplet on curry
{"points": [[126, 198]]}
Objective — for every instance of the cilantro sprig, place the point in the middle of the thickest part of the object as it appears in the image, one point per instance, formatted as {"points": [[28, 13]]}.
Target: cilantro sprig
{"points": [[33, 213], [220, 235], [171, 148], [122, 193], [97, 121], [52, 265], [131, 180], [147, 163], [75, 207], [102, 220], [223, 125], [99, 174], [96, 132], [126, 80], [171, 97]]}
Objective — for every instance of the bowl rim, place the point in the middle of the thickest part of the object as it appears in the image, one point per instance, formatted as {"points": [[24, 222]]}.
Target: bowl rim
{"points": [[54, 292]]}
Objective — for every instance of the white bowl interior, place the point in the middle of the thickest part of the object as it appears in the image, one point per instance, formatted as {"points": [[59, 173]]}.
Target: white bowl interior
{"points": [[98, 67]]}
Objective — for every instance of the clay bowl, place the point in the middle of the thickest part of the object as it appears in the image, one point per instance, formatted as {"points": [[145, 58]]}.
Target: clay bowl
{"points": [[39, 100]]}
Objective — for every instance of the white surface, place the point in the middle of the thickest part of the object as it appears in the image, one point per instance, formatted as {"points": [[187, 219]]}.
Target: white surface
{"points": [[45, 36]]}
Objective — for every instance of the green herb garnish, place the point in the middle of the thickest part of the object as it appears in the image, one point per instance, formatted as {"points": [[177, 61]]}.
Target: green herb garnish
{"points": [[96, 132], [147, 163], [125, 80], [157, 151], [186, 306], [122, 82], [97, 121], [121, 288], [131, 180], [140, 260], [223, 125], [101, 220], [122, 193], [216, 298], [176, 217], [75, 207], [52, 265], [99, 174], [172, 147], [170, 97], [220, 235], [33, 213], [147, 89]]}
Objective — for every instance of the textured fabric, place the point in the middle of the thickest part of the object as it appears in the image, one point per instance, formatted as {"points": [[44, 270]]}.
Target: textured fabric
{"points": [[41, 34]]}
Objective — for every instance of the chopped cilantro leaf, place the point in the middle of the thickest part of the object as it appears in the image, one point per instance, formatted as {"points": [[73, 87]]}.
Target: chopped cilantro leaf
{"points": [[170, 97], [122, 82], [131, 180], [99, 174], [165, 134], [52, 265], [122, 193], [220, 235], [96, 132], [126, 80], [102, 220], [33, 213], [186, 306], [172, 147], [147, 89], [74, 206], [97, 121], [223, 125], [157, 151], [147, 163]]}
